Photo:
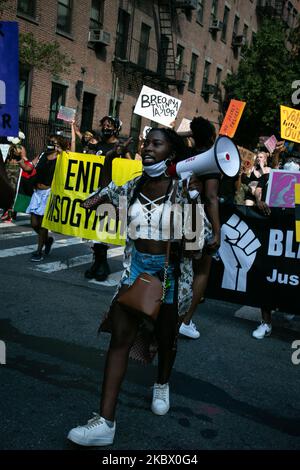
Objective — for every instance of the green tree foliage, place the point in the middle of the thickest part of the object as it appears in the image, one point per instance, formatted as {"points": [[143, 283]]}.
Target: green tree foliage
{"points": [[264, 80], [43, 55]]}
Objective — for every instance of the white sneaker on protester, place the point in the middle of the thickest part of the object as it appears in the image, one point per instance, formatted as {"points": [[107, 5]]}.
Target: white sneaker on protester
{"points": [[263, 330], [95, 433], [160, 401], [189, 330]]}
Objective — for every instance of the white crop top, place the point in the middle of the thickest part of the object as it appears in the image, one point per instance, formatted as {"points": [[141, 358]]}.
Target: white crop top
{"points": [[152, 221]]}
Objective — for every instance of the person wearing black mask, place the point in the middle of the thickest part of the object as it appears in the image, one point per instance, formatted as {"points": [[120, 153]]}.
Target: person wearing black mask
{"points": [[110, 147]]}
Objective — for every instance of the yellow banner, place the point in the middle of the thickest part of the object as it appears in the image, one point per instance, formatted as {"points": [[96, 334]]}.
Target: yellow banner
{"points": [[76, 176], [297, 211], [290, 124]]}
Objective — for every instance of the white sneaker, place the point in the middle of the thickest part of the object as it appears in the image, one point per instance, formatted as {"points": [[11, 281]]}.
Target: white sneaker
{"points": [[263, 330], [189, 330], [160, 401], [95, 433]]}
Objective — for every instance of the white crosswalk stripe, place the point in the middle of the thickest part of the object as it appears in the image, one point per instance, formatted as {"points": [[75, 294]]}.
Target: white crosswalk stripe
{"points": [[112, 280], [12, 236], [17, 223], [73, 262], [23, 250]]}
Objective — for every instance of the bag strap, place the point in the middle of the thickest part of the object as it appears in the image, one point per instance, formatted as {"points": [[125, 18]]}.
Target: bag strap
{"points": [[172, 199]]}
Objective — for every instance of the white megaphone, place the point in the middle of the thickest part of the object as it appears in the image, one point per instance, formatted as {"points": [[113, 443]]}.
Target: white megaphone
{"points": [[223, 158]]}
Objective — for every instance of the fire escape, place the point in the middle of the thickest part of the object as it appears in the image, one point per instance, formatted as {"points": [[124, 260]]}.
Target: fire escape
{"points": [[137, 64], [271, 8]]}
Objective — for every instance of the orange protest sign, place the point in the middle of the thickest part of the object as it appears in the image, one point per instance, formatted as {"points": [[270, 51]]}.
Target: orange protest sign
{"points": [[232, 118]]}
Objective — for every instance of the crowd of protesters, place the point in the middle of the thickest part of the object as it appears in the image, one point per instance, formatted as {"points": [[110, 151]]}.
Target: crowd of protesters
{"points": [[186, 277]]}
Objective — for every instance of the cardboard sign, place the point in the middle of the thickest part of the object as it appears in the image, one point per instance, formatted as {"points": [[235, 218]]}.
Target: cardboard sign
{"points": [[270, 143], [66, 114], [157, 106], [232, 118], [290, 124], [247, 159], [184, 126], [9, 78], [281, 188]]}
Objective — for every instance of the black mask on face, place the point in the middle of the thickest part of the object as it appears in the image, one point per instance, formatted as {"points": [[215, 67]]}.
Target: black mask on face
{"points": [[84, 140], [108, 133], [92, 146]]}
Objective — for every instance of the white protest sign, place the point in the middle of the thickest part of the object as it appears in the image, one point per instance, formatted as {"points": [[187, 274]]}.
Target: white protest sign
{"points": [[157, 106], [66, 114], [184, 126]]}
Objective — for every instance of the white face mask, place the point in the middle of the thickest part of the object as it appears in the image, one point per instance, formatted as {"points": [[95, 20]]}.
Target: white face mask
{"points": [[291, 166], [157, 169]]}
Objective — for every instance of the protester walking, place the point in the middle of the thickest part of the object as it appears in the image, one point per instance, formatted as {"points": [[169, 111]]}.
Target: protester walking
{"points": [[45, 169], [149, 199]]}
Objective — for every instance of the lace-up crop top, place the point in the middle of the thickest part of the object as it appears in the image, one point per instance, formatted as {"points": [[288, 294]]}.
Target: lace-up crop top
{"points": [[151, 220]]}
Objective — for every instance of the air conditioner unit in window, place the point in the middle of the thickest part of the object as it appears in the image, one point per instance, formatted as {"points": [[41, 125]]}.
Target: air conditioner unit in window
{"points": [[182, 75], [98, 36], [209, 89], [239, 41], [189, 4], [216, 25]]}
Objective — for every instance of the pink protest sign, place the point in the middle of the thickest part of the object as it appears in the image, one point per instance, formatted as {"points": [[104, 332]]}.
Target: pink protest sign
{"points": [[281, 188], [270, 143]]}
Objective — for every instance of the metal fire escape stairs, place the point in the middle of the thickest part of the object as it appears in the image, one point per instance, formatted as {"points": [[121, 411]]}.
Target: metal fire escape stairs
{"points": [[166, 64]]}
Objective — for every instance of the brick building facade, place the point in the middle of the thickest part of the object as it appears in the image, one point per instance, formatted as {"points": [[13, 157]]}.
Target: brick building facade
{"points": [[185, 48]]}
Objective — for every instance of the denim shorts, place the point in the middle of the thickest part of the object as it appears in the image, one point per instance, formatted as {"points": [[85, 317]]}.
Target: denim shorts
{"points": [[151, 264]]}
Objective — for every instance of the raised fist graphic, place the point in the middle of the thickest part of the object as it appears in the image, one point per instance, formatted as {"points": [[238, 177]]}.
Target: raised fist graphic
{"points": [[237, 251]]}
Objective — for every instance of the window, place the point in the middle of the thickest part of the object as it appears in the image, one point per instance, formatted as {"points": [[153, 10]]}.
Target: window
{"points": [[214, 10], [225, 23], [96, 17], [24, 91], [205, 77], [179, 57], [87, 115], [235, 27], [122, 34], [114, 107], [200, 11], [64, 16], [245, 34], [217, 91], [135, 128], [58, 98], [144, 45], [27, 7], [163, 54], [193, 71]]}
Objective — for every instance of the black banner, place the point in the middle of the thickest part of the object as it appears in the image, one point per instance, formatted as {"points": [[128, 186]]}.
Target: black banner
{"points": [[259, 259]]}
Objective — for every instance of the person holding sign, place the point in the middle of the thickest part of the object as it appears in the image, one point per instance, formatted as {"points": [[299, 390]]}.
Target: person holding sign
{"points": [[204, 135], [110, 147], [150, 198], [42, 180]]}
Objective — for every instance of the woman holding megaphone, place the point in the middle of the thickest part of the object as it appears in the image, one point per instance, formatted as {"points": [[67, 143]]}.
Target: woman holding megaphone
{"points": [[152, 249]]}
